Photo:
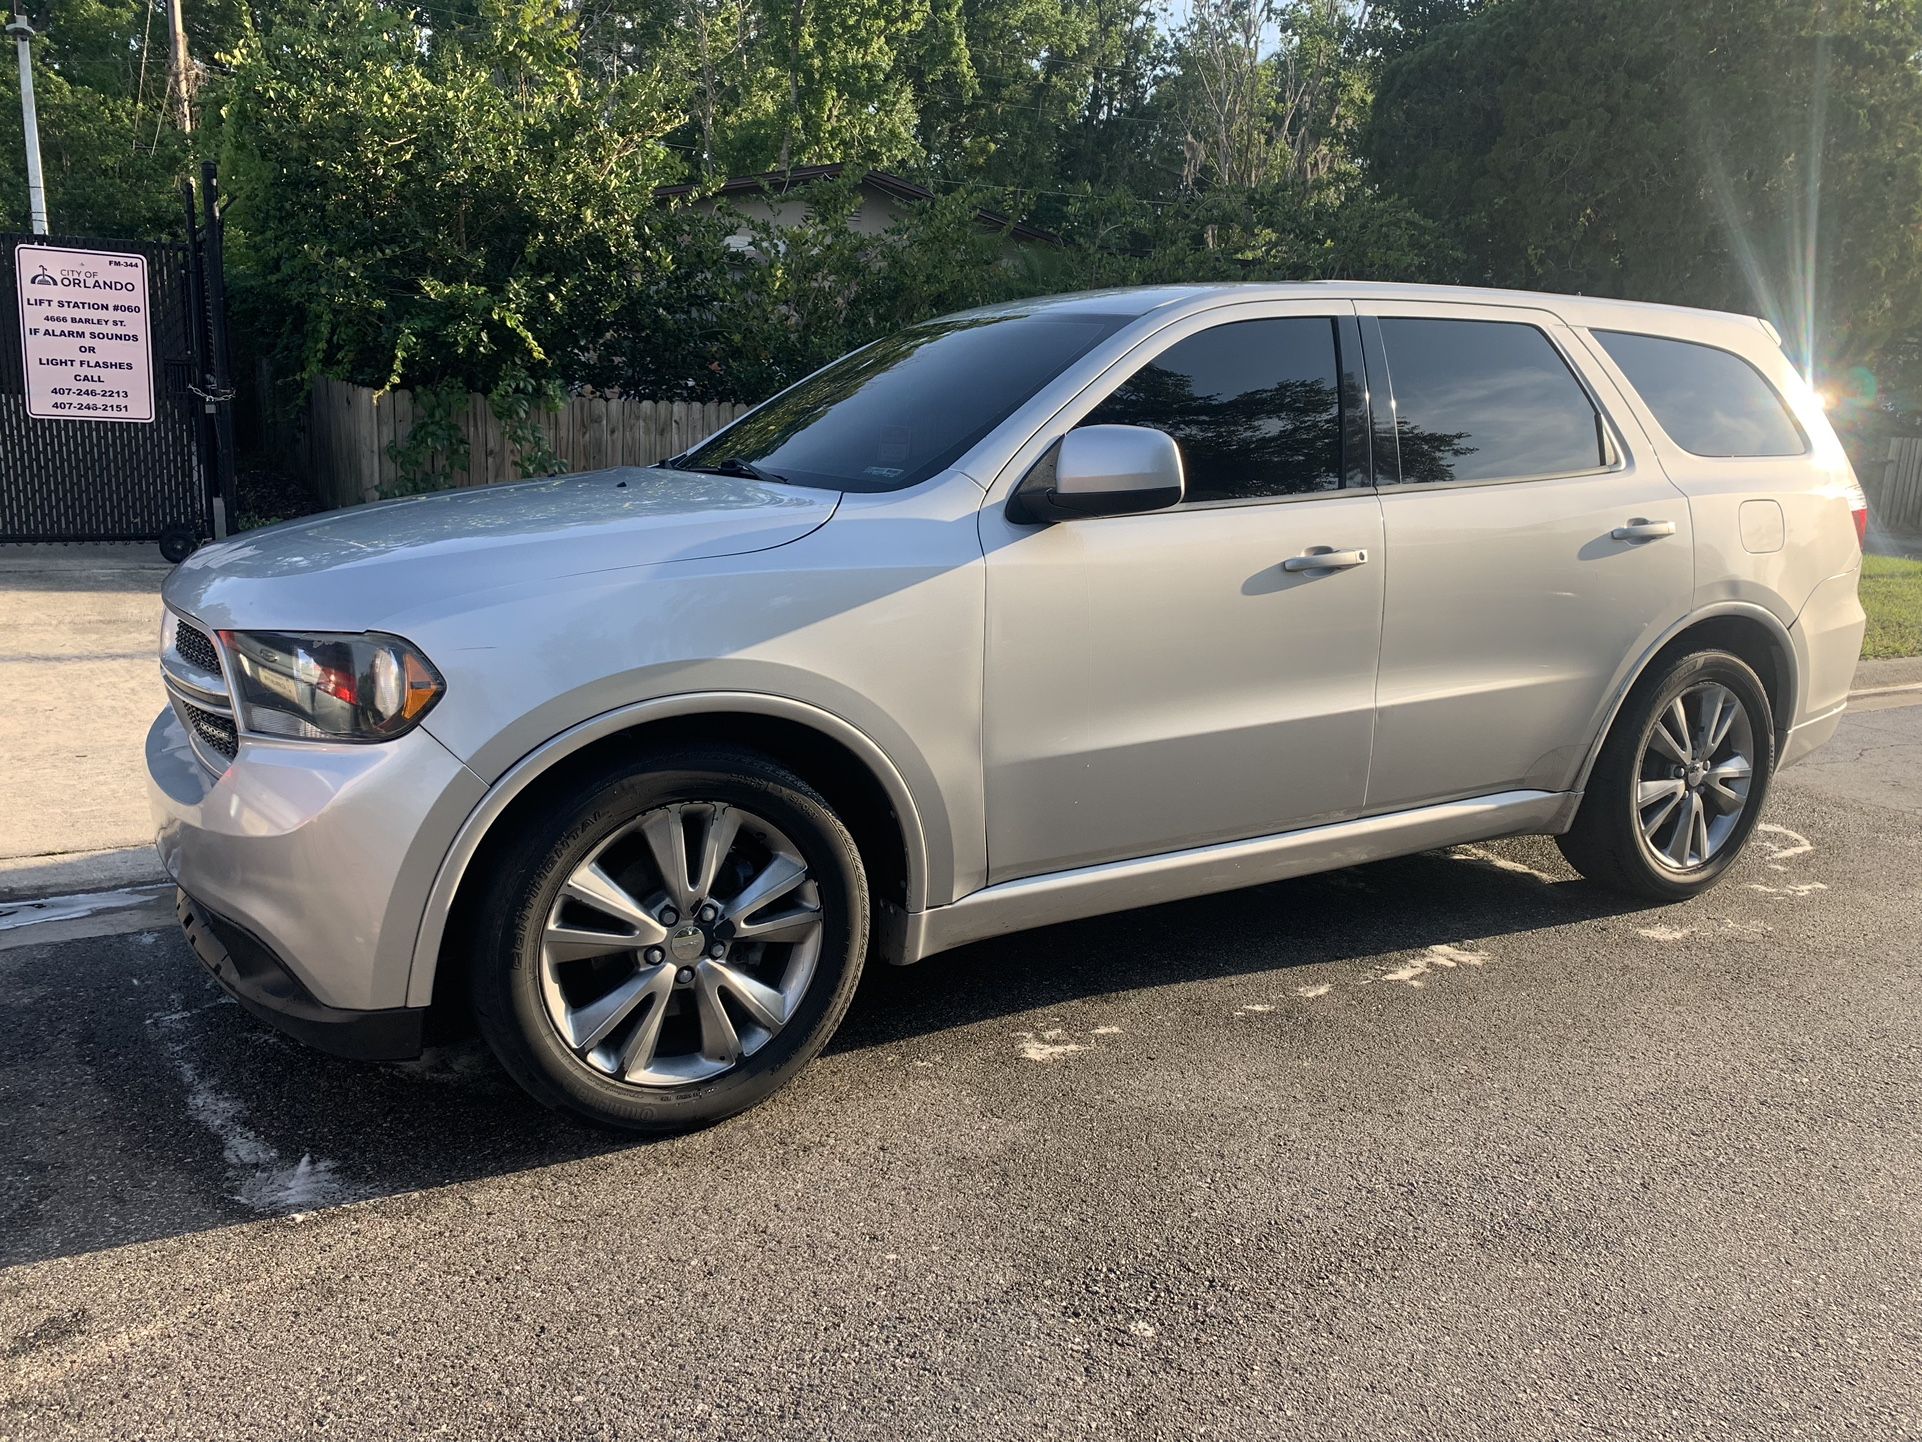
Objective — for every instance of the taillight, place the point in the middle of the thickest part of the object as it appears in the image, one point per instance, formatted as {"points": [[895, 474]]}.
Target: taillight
{"points": [[1861, 514]]}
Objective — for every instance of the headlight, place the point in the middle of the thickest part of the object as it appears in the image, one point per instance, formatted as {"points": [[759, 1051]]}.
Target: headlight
{"points": [[329, 687]]}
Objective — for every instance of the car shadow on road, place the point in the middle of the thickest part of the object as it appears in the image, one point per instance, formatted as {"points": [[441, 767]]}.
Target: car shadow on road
{"points": [[1362, 914], [195, 1117]]}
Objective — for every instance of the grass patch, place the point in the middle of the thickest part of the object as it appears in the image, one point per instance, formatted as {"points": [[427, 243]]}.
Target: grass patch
{"points": [[1892, 595]]}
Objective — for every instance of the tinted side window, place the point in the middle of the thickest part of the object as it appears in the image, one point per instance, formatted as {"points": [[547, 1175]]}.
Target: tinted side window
{"points": [[1479, 400], [1711, 402], [1255, 406]]}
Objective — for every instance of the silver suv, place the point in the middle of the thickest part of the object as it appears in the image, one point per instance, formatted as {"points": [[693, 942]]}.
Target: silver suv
{"points": [[1022, 615]]}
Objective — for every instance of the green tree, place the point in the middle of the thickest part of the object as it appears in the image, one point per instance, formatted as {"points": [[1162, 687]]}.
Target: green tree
{"points": [[744, 307], [1757, 155], [1269, 90], [112, 156], [1053, 94], [421, 205]]}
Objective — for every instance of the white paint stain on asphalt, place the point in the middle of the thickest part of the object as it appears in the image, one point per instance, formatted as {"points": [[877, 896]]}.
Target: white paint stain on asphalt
{"points": [[1254, 1008], [1794, 843], [1663, 933], [259, 1175], [1046, 1046], [1054, 1042], [1500, 862], [1794, 888], [1321, 989], [1442, 957]]}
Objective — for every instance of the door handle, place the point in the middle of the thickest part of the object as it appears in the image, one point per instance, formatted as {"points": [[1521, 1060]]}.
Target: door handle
{"points": [[1640, 530], [1324, 559]]}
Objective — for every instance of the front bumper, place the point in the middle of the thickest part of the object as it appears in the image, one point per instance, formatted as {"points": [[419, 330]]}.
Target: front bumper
{"points": [[322, 855], [261, 982]]}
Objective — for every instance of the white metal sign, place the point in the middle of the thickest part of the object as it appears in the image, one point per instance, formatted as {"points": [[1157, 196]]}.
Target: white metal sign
{"points": [[85, 339]]}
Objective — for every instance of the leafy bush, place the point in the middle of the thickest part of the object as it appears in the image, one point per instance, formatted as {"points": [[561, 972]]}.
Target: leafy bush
{"points": [[736, 309], [434, 207]]}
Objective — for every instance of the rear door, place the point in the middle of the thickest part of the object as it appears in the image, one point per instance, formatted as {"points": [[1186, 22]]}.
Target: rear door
{"points": [[1537, 548]]}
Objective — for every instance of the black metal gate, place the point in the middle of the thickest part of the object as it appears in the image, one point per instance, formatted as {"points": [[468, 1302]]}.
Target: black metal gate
{"points": [[84, 480]]}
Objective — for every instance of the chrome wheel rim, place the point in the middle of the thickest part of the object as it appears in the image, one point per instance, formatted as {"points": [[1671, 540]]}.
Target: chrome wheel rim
{"points": [[683, 943], [1692, 787]]}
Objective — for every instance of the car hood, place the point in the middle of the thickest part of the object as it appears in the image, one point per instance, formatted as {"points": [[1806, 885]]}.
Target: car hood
{"points": [[356, 569]]}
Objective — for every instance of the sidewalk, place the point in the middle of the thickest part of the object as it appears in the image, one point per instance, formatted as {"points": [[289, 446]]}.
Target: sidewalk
{"points": [[78, 629]]}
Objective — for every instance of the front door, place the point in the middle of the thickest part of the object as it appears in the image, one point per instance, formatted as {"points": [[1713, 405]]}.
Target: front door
{"points": [[1162, 681]]}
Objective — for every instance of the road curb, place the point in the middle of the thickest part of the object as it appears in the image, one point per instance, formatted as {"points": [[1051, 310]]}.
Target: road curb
{"points": [[75, 872], [1894, 672]]}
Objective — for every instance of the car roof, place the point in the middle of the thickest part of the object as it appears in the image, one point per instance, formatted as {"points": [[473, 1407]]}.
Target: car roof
{"points": [[1584, 310]]}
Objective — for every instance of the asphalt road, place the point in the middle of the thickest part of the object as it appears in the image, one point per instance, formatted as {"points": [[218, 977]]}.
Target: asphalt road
{"points": [[1448, 1147]]}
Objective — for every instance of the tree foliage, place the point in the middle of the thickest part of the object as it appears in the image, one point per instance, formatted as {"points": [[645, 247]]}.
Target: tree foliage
{"points": [[1762, 156], [460, 195], [414, 205], [112, 156]]}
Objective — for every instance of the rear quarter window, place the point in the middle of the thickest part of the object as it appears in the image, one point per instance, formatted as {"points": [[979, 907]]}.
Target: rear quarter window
{"points": [[1711, 402]]}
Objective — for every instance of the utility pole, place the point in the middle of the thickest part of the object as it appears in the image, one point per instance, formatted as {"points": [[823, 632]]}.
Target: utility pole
{"points": [[180, 68], [22, 34]]}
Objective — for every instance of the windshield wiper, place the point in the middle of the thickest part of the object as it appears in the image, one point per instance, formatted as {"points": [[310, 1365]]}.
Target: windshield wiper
{"points": [[735, 466]]}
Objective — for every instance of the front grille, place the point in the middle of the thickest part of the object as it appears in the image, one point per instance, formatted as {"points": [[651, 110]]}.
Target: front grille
{"points": [[190, 667], [196, 649], [216, 733]]}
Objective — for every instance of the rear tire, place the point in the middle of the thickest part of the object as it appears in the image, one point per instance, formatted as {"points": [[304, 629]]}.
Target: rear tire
{"points": [[672, 941], [1680, 782]]}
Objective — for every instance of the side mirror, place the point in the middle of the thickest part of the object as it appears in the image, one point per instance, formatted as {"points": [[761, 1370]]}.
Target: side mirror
{"points": [[1101, 471]]}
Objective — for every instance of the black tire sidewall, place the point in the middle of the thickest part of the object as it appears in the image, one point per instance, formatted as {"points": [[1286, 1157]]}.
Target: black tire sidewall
{"points": [[1725, 669], [508, 999]]}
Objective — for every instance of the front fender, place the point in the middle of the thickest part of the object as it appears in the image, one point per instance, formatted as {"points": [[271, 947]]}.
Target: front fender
{"points": [[929, 852]]}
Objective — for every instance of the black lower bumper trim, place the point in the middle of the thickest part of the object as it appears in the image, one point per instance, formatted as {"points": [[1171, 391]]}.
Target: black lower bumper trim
{"points": [[260, 981]]}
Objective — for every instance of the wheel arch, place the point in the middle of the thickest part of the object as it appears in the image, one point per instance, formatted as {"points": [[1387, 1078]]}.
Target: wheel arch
{"points": [[858, 779], [1750, 632]]}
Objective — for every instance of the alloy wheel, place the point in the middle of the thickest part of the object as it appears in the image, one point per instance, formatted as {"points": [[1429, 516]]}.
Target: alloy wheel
{"points": [[1692, 785], [681, 944]]}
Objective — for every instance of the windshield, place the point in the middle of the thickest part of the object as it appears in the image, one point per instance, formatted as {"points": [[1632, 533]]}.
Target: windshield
{"points": [[906, 407]]}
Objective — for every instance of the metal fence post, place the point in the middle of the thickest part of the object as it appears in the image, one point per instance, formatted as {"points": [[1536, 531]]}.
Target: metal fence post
{"points": [[220, 387], [213, 504]]}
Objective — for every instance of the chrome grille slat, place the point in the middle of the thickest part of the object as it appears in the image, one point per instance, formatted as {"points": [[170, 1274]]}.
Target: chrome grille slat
{"points": [[202, 688]]}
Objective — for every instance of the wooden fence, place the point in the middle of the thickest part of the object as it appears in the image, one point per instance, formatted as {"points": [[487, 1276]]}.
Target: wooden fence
{"points": [[1895, 497], [345, 449]]}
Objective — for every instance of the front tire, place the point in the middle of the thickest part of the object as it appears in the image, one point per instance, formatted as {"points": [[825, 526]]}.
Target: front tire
{"points": [[672, 941], [1680, 782]]}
